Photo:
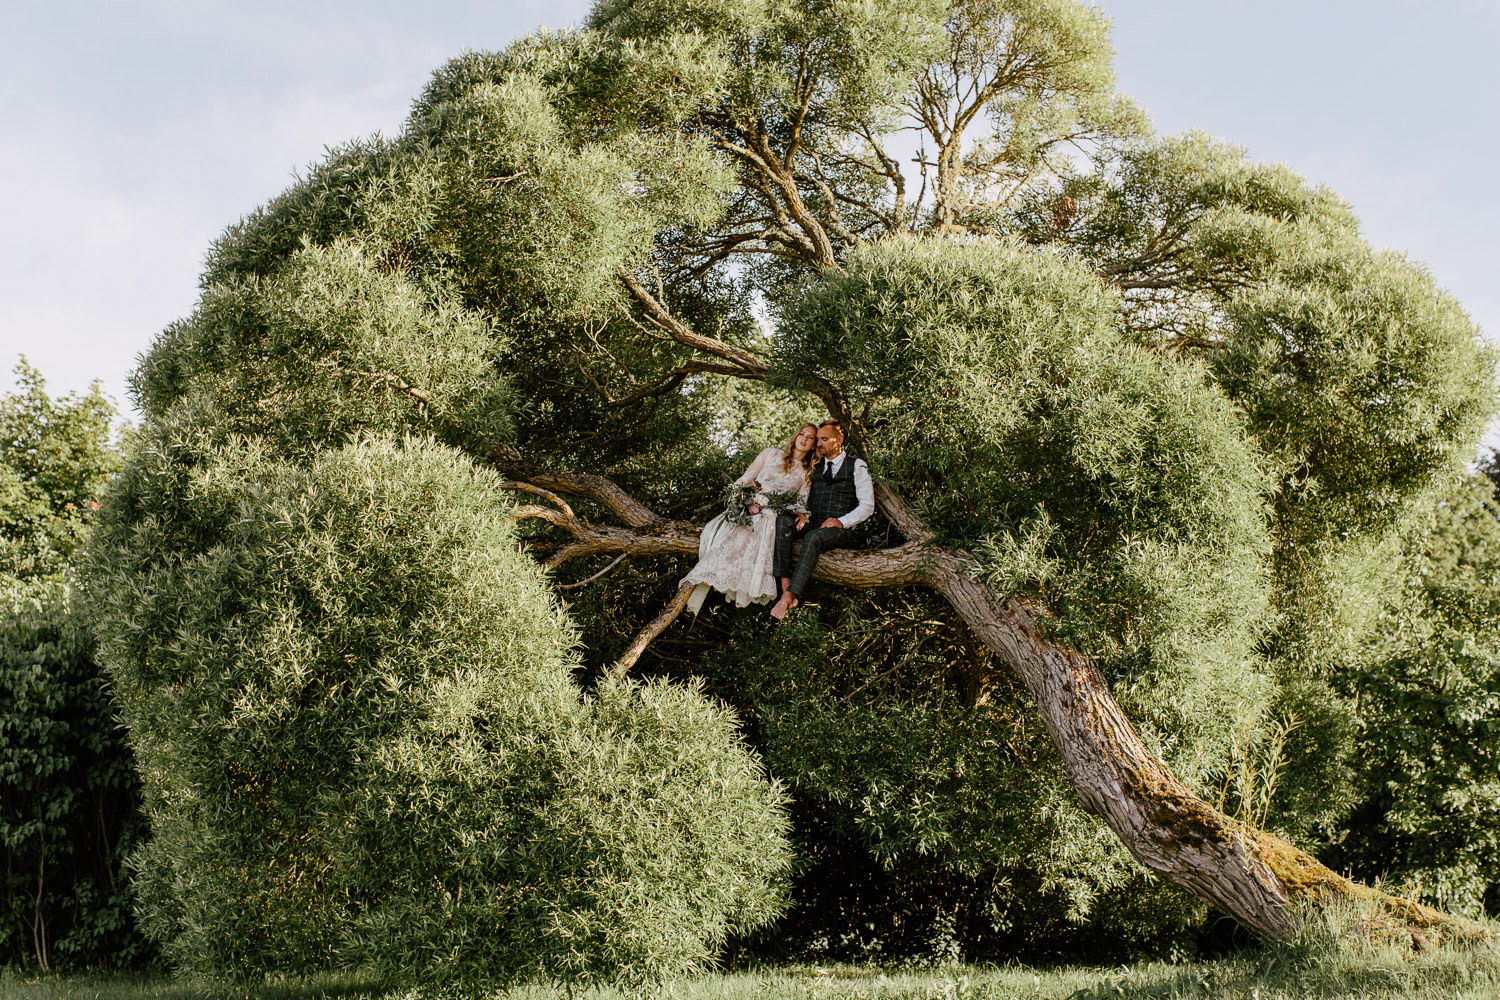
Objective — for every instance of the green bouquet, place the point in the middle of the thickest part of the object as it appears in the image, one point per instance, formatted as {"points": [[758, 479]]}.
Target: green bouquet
{"points": [[742, 503]]}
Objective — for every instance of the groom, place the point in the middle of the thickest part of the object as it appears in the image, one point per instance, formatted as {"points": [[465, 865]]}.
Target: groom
{"points": [[841, 497]]}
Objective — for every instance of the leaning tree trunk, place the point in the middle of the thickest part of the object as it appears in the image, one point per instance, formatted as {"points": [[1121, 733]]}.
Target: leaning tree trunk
{"points": [[1253, 876], [1256, 877], [1160, 821]]}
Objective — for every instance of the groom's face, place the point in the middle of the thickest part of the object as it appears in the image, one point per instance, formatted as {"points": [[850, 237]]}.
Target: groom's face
{"points": [[830, 441]]}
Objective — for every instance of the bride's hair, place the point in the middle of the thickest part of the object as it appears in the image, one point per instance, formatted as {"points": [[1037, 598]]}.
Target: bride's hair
{"points": [[807, 460]]}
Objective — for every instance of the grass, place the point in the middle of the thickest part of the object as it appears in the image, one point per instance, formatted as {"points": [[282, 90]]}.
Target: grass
{"points": [[1254, 977], [1324, 962]]}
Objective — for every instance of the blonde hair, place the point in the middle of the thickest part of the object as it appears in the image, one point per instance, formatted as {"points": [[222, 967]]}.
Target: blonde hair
{"points": [[807, 460]]}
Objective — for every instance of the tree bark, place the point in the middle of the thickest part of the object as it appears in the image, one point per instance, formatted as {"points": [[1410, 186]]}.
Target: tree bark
{"points": [[654, 628], [1160, 821], [1254, 876]]}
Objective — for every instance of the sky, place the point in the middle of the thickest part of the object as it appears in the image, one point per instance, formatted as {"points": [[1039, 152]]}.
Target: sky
{"points": [[134, 131]]}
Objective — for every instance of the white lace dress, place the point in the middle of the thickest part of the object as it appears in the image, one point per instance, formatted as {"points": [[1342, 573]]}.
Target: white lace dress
{"points": [[734, 559]]}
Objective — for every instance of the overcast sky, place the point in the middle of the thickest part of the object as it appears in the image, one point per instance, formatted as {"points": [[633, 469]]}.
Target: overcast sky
{"points": [[134, 131]]}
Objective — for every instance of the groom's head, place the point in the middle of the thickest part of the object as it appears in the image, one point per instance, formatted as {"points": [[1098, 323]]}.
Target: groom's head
{"points": [[830, 438]]}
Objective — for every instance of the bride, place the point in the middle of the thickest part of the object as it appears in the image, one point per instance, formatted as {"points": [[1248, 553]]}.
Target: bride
{"points": [[735, 559]]}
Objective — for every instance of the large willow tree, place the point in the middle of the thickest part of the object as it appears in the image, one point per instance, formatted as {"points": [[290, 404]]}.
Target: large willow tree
{"points": [[1140, 411]]}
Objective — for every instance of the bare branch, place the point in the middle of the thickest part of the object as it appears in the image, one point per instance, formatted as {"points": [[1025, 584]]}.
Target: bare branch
{"points": [[673, 379], [588, 580], [751, 365], [654, 628], [545, 494]]}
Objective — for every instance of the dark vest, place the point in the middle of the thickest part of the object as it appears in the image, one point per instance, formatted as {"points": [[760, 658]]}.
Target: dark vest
{"points": [[833, 499]]}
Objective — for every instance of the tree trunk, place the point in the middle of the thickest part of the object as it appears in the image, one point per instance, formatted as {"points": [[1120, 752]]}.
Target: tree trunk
{"points": [[1253, 876], [1160, 821]]}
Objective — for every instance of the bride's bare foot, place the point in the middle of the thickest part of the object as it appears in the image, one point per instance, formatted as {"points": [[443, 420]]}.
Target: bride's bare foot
{"points": [[785, 604]]}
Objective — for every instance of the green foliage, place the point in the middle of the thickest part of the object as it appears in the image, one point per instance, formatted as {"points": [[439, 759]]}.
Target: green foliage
{"points": [[68, 792], [878, 715], [1116, 485], [1360, 379], [625, 840], [333, 201], [531, 216], [363, 744], [1428, 693], [1179, 223], [55, 457], [864, 55], [332, 344], [410, 285]]}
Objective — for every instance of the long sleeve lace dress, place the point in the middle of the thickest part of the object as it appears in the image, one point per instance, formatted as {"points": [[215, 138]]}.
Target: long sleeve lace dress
{"points": [[734, 559]]}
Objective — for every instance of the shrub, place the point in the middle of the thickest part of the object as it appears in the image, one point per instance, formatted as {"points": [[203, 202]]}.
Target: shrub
{"points": [[362, 744], [68, 793]]}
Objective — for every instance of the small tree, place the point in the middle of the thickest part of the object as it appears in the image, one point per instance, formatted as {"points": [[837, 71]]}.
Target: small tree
{"points": [[68, 792], [55, 458]]}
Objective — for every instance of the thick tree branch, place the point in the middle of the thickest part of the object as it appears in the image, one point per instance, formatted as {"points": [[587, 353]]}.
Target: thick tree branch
{"points": [[1166, 826], [547, 495], [580, 484], [647, 533]]}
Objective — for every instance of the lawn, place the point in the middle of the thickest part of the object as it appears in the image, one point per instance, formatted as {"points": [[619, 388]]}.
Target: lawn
{"points": [[1265, 974]]}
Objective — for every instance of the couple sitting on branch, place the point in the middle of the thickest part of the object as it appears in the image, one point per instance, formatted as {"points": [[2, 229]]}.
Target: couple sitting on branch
{"points": [[812, 489]]}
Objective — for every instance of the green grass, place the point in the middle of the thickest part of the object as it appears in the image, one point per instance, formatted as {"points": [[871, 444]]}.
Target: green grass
{"points": [[1326, 962], [1255, 976]]}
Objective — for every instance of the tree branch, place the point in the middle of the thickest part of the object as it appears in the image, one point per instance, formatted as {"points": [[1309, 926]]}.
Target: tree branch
{"points": [[651, 307], [656, 627], [588, 580], [673, 379], [647, 533], [582, 484]]}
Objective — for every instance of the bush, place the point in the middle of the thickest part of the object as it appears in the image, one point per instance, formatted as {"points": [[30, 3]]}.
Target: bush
{"points": [[362, 744], [68, 792], [1429, 716]]}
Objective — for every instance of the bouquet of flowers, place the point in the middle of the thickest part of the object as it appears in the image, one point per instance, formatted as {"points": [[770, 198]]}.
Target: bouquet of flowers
{"points": [[742, 503]]}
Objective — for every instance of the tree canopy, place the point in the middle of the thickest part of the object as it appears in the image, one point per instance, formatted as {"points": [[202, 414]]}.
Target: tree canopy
{"points": [[1144, 415]]}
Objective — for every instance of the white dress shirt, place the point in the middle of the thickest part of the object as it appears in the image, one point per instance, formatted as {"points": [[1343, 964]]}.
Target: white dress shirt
{"points": [[864, 491]]}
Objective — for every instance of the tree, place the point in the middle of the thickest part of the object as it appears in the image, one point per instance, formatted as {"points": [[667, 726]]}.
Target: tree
{"points": [[363, 746], [68, 792], [1138, 407], [1430, 709], [55, 457]]}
